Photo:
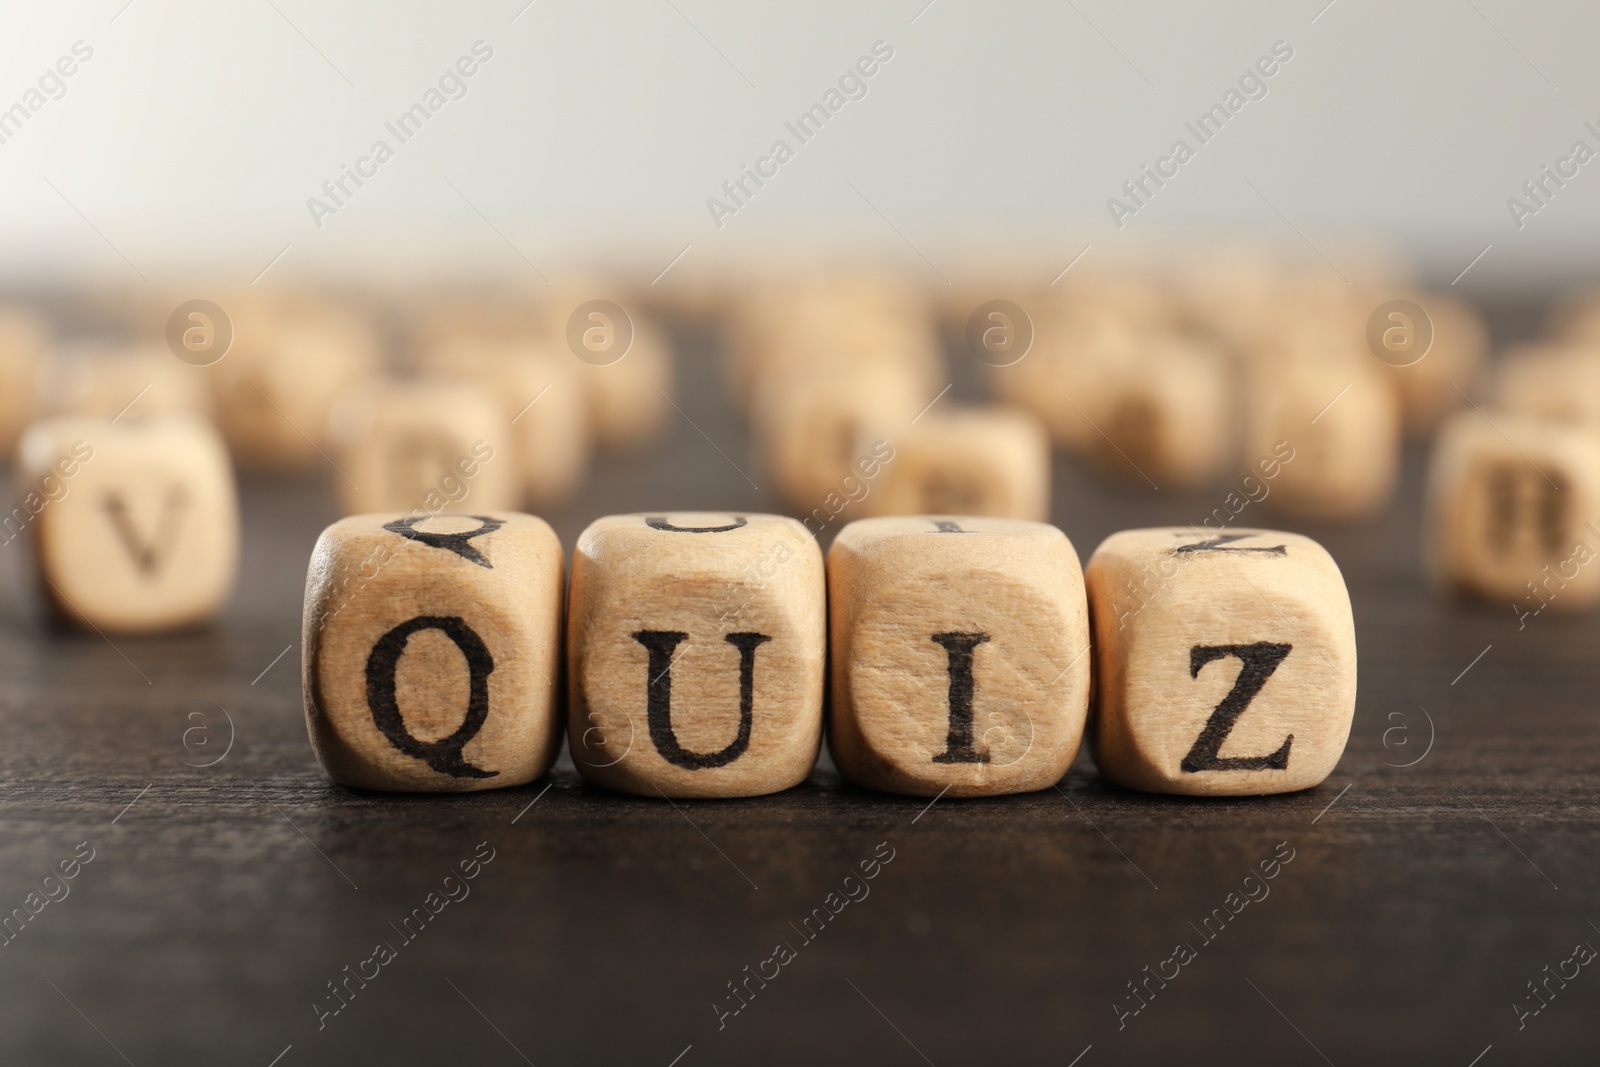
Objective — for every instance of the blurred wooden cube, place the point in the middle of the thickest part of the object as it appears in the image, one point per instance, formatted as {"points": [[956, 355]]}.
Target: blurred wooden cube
{"points": [[435, 320], [816, 430], [992, 461], [1165, 415], [830, 329], [1513, 502], [1333, 418], [135, 526], [629, 395], [959, 655], [1575, 321], [620, 358], [1070, 373], [1454, 362], [542, 401], [276, 388], [1225, 665], [1551, 381], [1232, 294], [696, 646], [108, 380], [426, 445], [24, 340], [432, 650]]}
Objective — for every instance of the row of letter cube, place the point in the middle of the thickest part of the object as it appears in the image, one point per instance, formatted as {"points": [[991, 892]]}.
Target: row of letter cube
{"points": [[696, 651], [298, 383]]}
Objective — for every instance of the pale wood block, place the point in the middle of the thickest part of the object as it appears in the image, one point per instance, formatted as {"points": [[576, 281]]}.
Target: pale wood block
{"points": [[543, 402], [863, 347], [825, 330], [1333, 418], [137, 523], [1431, 388], [1067, 376], [695, 653], [621, 356], [1163, 415], [1575, 321], [436, 320], [429, 445], [24, 340], [289, 364], [1557, 382], [1310, 320], [1137, 301], [1232, 294], [432, 650], [768, 310], [980, 276], [630, 400], [104, 380], [814, 431], [959, 655], [1301, 310], [992, 461], [1225, 664], [1512, 508]]}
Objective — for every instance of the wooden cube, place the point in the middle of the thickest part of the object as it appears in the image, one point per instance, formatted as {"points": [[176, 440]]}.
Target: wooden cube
{"points": [[1432, 387], [135, 525], [1339, 416], [1163, 416], [630, 399], [1558, 382], [1575, 320], [102, 380], [959, 652], [695, 652], [1512, 509], [24, 338], [813, 431], [432, 650], [542, 400], [424, 444], [992, 461], [621, 359], [823, 330], [435, 320], [288, 366], [1072, 373], [1232, 294], [1225, 663]]}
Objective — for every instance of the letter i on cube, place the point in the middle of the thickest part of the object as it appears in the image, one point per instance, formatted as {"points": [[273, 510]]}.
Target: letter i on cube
{"points": [[960, 655]]}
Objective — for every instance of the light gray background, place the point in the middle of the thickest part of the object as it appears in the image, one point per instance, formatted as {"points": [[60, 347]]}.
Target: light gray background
{"points": [[198, 130]]}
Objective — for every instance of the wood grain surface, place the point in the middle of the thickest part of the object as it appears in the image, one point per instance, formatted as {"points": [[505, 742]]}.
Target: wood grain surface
{"points": [[1451, 856]]}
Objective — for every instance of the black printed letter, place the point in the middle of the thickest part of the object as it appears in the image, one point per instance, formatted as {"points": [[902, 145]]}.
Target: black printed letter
{"points": [[958, 743], [659, 522], [658, 697], [148, 557], [443, 755], [1217, 543], [1259, 661], [459, 543]]}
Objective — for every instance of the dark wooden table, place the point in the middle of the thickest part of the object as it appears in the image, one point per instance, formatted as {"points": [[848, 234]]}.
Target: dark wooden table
{"points": [[221, 900]]}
